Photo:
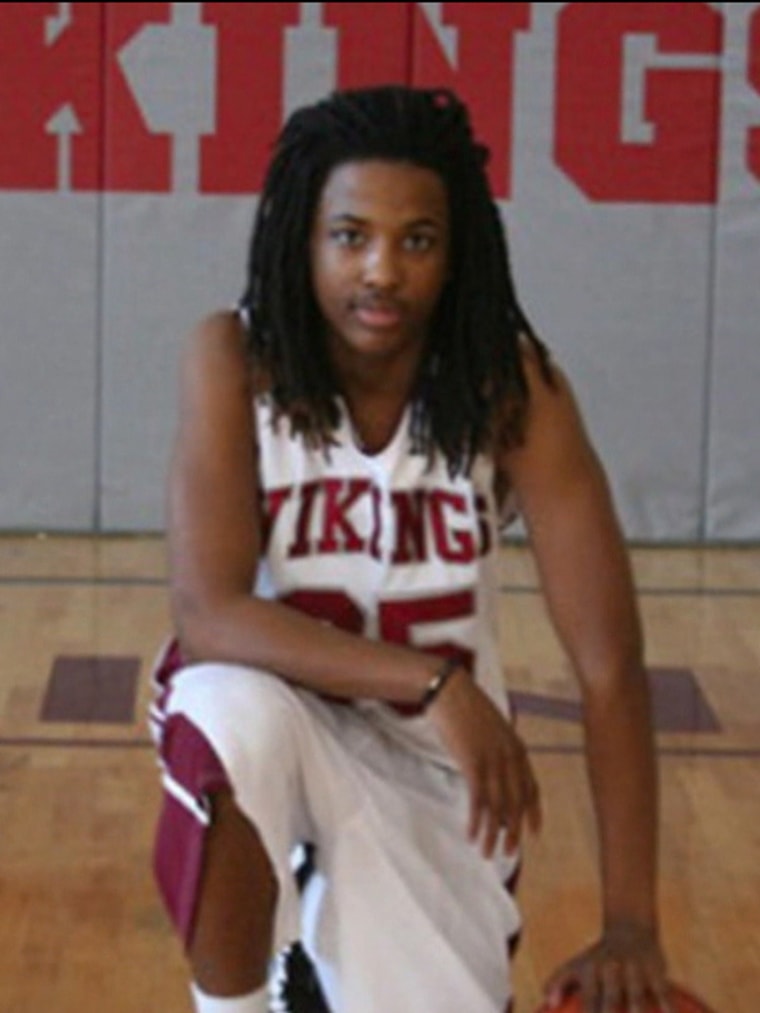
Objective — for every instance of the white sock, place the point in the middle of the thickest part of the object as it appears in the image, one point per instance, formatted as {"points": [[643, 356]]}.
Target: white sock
{"points": [[256, 1002]]}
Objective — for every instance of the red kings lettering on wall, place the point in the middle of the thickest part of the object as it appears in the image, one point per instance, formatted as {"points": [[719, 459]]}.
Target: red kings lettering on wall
{"points": [[753, 142], [50, 94], [678, 162], [482, 72], [387, 25], [136, 157], [57, 132], [249, 103], [153, 97]]}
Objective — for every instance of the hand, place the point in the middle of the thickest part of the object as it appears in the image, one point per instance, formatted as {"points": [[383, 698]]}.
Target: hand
{"points": [[493, 760], [623, 971]]}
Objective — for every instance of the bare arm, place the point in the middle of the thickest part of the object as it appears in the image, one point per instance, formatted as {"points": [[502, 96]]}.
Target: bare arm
{"points": [[214, 522], [585, 575]]}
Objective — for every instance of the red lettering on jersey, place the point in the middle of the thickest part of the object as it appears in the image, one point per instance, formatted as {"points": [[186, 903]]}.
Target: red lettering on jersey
{"points": [[334, 606], [50, 96], [274, 501], [679, 163], [484, 72], [399, 620], [409, 512], [379, 31], [340, 497], [250, 89], [452, 545], [301, 545], [753, 140]]}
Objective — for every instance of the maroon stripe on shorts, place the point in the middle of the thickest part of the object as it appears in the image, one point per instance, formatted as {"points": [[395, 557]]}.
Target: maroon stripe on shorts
{"points": [[191, 763]]}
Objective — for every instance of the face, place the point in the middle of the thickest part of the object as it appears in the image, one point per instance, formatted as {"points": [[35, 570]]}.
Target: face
{"points": [[379, 258]]}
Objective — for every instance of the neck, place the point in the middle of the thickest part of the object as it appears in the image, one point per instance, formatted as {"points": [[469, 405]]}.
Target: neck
{"points": [[379, 378]]}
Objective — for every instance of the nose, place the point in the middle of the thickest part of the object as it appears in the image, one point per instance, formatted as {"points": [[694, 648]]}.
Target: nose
{"points": [[382, 267]]}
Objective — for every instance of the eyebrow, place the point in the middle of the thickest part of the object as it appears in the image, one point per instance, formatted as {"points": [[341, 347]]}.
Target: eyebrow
{"points": [[347, 216]]}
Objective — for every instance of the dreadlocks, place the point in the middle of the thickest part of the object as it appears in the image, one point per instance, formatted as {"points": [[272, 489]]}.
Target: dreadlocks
{"points": [[473, 367]]}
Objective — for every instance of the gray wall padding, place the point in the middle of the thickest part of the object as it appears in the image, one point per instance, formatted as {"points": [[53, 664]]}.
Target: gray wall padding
{"points": [[652, 308], [49, 361]]}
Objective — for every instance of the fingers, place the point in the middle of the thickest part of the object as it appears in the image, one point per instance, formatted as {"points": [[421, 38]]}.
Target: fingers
{"points": [[609, 996], [525, 801], [564, 981], [477, 802], [635, 990], [502, 789], [609, 984], [503, 796], [623, 987]]}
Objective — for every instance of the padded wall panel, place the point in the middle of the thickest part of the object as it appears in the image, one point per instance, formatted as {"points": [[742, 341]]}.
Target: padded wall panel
{"points": [[50, 173], [733, 489], [614, 271]]}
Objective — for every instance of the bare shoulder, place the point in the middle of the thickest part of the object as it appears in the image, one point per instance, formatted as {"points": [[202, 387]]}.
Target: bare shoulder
{"points": [[216, 352], [221, 332], [212, 486], [558, 483], [218, 384], [555, 447]]}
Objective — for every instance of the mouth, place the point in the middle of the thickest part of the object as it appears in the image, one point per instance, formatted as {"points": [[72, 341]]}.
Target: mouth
{"points": [[378, 313]]}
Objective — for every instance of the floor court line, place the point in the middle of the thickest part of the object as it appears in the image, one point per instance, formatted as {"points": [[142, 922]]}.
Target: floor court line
{"points": [[505, 589], [663, 751]]}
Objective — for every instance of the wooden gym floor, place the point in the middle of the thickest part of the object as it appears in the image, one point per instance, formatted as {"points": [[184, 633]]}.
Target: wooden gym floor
{"points": [[80, 923]]}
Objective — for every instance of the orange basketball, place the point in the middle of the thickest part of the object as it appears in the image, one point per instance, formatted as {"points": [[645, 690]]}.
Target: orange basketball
{"points": [[681, 1001]]}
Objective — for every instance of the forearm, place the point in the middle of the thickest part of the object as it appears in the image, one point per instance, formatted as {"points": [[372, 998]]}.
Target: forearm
{"points": [[307, 651], [622, 771]]}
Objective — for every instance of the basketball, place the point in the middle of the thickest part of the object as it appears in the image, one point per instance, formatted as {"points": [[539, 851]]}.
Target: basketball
{"points": [[681, 1002]]}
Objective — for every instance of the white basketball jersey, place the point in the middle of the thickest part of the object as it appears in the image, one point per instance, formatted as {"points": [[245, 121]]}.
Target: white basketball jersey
{"points": [[386, 545]]}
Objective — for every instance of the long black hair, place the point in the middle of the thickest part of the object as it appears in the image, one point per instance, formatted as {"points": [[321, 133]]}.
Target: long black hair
{"points": [[473, 367]]}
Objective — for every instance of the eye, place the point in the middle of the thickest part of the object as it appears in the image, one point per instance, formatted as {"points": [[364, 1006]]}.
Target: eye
{"points": [[347, 236], [419, 242]]}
